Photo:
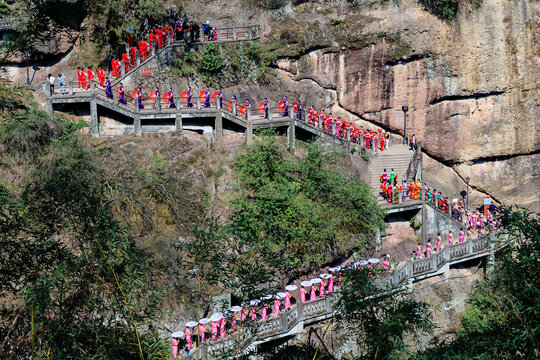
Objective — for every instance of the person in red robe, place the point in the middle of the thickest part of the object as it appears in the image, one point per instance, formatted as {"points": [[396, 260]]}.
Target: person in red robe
{"points": [[90, 76], [125, 59], [79, 77], [382, 142], [83, 79], [132, 55], [101, 76]]}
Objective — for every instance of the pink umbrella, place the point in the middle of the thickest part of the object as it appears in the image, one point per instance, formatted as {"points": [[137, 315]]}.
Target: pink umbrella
{"points": [[288, 296]]}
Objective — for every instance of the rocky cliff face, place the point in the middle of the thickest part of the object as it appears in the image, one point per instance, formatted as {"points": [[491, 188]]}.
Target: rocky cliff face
{"points": [[471, 85]]}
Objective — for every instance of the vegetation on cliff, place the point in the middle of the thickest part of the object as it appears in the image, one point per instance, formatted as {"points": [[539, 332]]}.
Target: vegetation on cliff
{"points": [[502, 320], [73, 283]]}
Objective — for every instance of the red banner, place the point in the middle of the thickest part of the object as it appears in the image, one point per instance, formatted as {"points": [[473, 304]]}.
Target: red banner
{"points": [[147, 72]]}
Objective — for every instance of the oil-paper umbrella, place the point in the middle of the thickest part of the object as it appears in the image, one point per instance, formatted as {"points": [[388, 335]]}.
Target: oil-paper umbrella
{"points": [[152, 95], [261, 107], [214, 96], [183, 96], [135, 93], [281, 106], [166, 97]]}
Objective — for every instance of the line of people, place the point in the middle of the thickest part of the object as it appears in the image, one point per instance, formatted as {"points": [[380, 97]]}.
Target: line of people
{"points": [[262, 309]]}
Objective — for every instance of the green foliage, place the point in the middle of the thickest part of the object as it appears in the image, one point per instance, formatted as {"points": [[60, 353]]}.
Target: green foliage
{"points": [[502, 319], [73, 284], [380, 316], [447, 9], [224, 65], [300, 214]]}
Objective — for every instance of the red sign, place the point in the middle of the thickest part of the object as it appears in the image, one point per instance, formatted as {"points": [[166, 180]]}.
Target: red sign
{"points": [[147, 72]]}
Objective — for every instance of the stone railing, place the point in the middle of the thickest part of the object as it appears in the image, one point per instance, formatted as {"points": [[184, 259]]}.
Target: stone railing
{"points": [[323, 307]]}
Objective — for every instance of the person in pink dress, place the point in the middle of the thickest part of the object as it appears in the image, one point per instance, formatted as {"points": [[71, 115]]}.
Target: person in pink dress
{"points": [[214, 330], [201, 332], [469, 235], [418, 251], [469, 219], [277, 304], [302, 295], [429, 249], [321, 289], [313, 294], [385, 264], [438, 243], [222, 328], [450, 238], [175, 342], [264, 312], [253, 311], [188, 338], [474, 221], [461, 236]]}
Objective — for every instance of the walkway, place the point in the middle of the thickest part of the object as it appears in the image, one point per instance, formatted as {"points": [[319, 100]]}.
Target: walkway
{"points": [[292, 322], [224, 35], [247, 119]]}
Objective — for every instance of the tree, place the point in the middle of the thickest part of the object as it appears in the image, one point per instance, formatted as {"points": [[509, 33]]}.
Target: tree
{"points": [[502, 320], [379, 315], [73, 284], [298, 213]]}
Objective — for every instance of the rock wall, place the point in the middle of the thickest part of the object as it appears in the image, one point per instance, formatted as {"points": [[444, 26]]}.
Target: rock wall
{"points": [[472, 86]]}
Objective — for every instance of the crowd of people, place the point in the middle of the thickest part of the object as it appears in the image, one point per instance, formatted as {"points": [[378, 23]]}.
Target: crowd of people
{"points": [[219, 325], [476, 223]]}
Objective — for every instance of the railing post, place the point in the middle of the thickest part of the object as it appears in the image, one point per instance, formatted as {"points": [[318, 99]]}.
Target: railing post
{"points": [[450, 208], [152, 48], [333, 128], [48, 87], [234, 34], [291, 112], [300, 311], [233, 107], [178, 124], [319, 118], [92, 87], [250, 33], [122, 68], [137, 127], [348, 133], [94, 118], [269, 113], [400, 196], [248, 113], [422, 193], [284, 322], [115, 95], [198, 101], [218, 103], [218, 34], [70, 87], [202, 34], [137, 57]]}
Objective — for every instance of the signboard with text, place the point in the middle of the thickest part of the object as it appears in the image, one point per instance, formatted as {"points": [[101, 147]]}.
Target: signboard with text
{"points": [[147, 72]]}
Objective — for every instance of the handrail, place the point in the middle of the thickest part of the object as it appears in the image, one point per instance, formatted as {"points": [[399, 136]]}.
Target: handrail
{"points": [[324, 306], [415, 161]]}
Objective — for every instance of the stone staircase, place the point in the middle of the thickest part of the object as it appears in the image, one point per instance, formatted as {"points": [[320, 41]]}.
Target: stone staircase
{"points": [[397, 157]]}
